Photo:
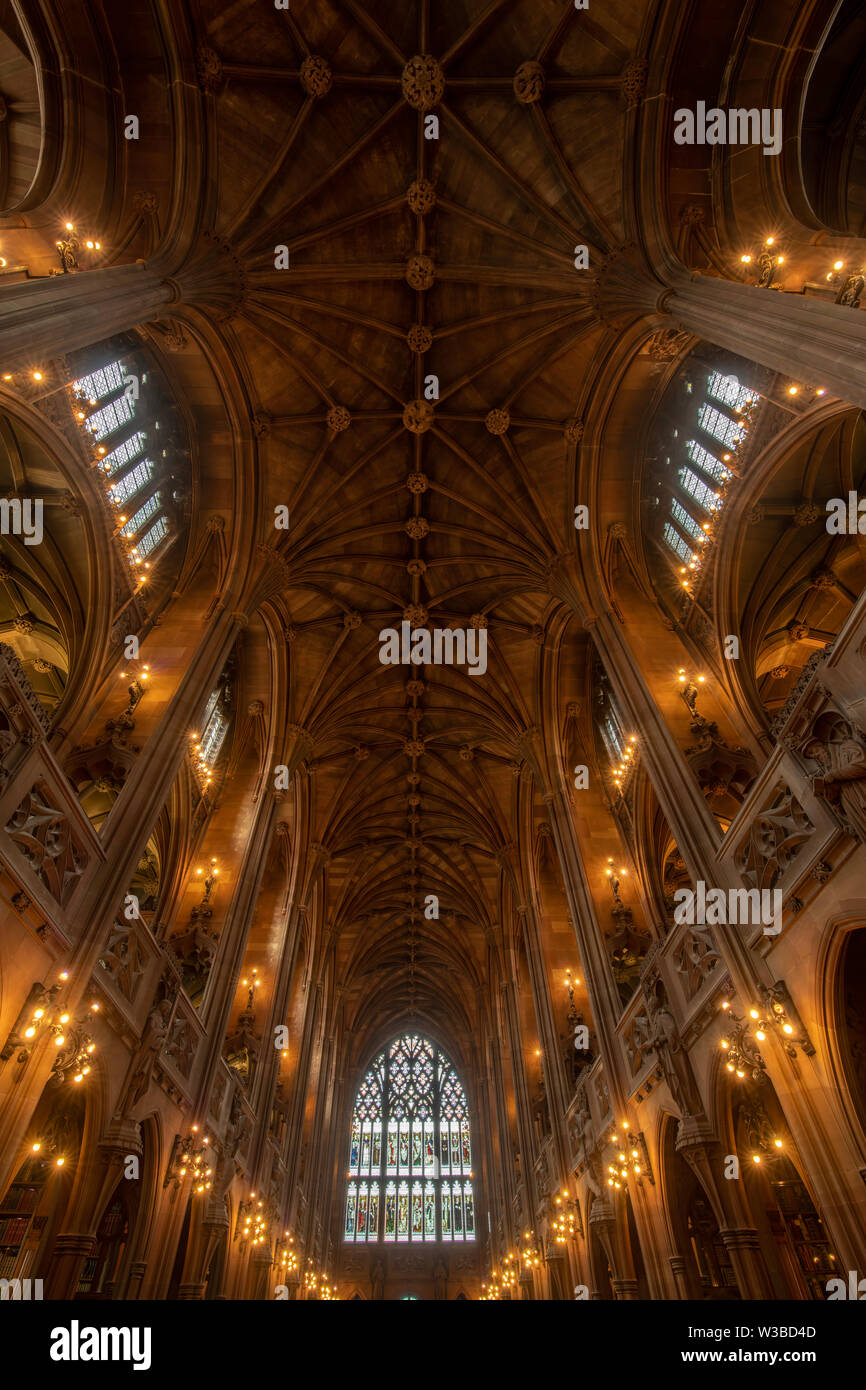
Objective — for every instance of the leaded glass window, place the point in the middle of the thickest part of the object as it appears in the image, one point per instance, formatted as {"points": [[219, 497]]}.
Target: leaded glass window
{"points": [[110, 418], [124, 453], [132, 482], [104, 382], [707, 462], [676, 542], [144, 513], [410, 1149], [686, 520], [698, 489], [719, 425], [728, 390], [151, 539]]}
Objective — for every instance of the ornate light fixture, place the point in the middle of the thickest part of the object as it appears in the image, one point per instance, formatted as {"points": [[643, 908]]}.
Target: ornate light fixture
{"points": [[68, 246], [566, 1223], [631, 1159], [191, 1157], [254, 1220], [766, 260], [849, 286], [776, 1012], [39, 1016], [623, 770], [742, 1058]]}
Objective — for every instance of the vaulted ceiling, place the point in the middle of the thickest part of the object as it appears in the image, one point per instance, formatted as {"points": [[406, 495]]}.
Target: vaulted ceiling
{"points": [[416, 264]]}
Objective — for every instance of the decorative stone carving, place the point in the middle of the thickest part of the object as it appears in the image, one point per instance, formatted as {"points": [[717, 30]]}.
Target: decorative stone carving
{"points": [[24, 623], [416, 614], [573, 431], [529, 83], [696, 958], [498, 421], [841, 778], [413, 747], [208, 68], [806, 513], [421, 196], [351, 620], [418, 416], [181, 1045], [417, 483], [338, 419], [773, 840], [423, 82], [478, 621], [146, 203], [634, 80], [419, 338], [315, 76], [44, 836], [123, 959], [420, 271], [417, 527], [416, 568], [780, 672], [668, 344], [822, 578], [262, 423], [797, 632]]}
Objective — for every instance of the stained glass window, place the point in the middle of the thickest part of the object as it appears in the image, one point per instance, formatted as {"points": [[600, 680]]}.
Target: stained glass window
{"points": [[410, 1149]]}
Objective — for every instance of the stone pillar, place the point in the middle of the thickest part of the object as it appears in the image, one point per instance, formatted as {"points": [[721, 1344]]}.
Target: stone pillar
{"points": [[744, 1248], [44, 318], [678, 1267], [816, 343], [625, 1289]]}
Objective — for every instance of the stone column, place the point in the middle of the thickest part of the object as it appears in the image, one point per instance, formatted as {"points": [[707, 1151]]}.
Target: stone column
{"points": [[678, 1267], [44, 318], [521, 1097], [816, 343], [52, 315], [744, 1248]]}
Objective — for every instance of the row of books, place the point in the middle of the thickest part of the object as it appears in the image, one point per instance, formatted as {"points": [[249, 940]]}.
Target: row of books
{"points": [[12, 1229], [20, 1199]]}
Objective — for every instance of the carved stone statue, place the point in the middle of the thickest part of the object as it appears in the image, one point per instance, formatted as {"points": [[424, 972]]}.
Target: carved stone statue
{"points": [[842, 777], [663, 1037], [440, 1279], [143, 1062], [377, 1278]]}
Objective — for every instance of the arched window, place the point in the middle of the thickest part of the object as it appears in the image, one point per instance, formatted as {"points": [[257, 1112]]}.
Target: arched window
{"points": [[410, 1153], [697, 488]]}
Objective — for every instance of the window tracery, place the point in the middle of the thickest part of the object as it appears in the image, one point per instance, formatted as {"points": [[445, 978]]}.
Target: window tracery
{"points": [[410, 1149]]}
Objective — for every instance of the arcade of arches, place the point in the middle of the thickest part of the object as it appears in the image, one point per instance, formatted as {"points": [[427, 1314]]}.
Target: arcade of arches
{"points": [[333, 332]]}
